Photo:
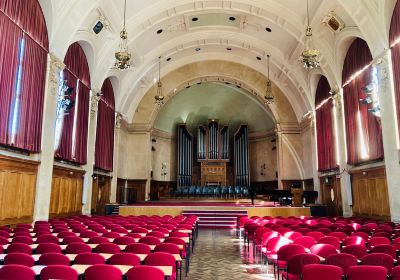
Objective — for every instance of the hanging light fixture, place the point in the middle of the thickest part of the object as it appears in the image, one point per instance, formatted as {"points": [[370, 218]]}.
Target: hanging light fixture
{"points": [[123, 56], [310, 57], [269, 95], [159, 98]]}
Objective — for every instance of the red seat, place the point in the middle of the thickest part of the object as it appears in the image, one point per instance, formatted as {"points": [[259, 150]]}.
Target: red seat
{"points": [[378, 259], [14, 271], [395, 275], [342, 260], [359, 251], [19, 258], [54, 259], [19, 248], [102, 272], [48, 238], [88, 234], [374, 241], [296, 263], [156, 234], [98, 240], [124, 259], [162, 259], [72, 239], [23, 239], [48, 248], [354, 240], [89, 258], [386, 249], [124, 240], [58, 272], [323, 250], [78, 248], [145, 272], [111, 234], [322, 271], [107, 248], [150, 240], [316, 235], [331, 240], [138, 248], [366, 272], [285, 253]]}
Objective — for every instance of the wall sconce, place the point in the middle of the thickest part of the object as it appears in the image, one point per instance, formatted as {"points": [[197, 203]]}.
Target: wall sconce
{"points": [[164, 169], [263, 168], [273, 141]]}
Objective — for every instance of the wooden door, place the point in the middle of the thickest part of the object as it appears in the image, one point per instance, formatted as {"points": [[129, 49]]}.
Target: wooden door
{"points": [[331, 195], [100, 194]]}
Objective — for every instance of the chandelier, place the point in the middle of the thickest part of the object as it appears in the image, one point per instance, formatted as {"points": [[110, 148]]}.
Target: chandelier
{"points": [[159, 98], [269, 96], [123, 56], [310, 57]]}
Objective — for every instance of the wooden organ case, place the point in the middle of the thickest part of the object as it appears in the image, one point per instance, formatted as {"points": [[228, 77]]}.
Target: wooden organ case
{"points": [[213, 154]]}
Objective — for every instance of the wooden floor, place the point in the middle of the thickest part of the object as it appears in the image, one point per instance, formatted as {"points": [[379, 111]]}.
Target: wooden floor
{"points": [[220, 255]]}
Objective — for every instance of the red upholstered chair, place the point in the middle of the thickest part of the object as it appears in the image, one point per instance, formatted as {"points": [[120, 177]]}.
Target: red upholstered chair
{"points": [[134, 235], [102, 272], [316, 235], [162, 259], [124, 240], [48, 238], [109, 234], [168, 248], [342, 260], [366, 272], [88, 234], [395, 275], [7, 229], [285, 253], [3, 240], [48, 248], [323, 250], [23, 239], [354, 240], [292, 235], [124, 259], [107, 248], [89, 258], [324, 230], [150, 240], [139, 230], [303, 231], [163, 230], [359, 251], [64, 234], [14, 271], [145, 272], [4, 234], [58, 272], [386, 249], [156, 234], [322, 271], [78, 248], [138, 248], [378, 259], [19, 258], [362, 234], [19, 248], [374, 241], [340, 235], [296, 263], [120, 230], [273, 245], [54, 259], [331, 240], [98, 240], [72, 239]]}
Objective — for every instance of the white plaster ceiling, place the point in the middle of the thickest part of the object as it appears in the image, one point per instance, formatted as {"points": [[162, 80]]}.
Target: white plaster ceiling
{"points": [[72, 20]]}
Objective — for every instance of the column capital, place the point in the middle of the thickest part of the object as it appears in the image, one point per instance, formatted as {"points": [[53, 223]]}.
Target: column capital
{"points": [[56, 65], [95, 97], [118, 120]]}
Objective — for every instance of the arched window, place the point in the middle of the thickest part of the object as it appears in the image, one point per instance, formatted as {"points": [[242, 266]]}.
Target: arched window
{"points": [[363, 130], [325, 127], [23, 63], [105, 129], [394, 39], [72, 144]]}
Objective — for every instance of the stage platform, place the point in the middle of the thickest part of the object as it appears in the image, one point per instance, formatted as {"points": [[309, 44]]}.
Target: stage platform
{"points": [[261, 208]]}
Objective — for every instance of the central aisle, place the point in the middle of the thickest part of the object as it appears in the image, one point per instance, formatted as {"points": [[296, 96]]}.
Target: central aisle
{"points": [[220, 255]]}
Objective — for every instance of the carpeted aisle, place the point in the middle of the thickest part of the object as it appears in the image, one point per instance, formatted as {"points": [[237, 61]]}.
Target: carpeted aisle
{"points": [[219, 255]]}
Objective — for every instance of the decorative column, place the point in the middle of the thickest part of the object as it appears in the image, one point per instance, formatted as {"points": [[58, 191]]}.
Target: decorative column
{"points": [[389, 131], [345, 180], [117, 127], [317, 186], [279, 151], [45, 170], [91, 145]]}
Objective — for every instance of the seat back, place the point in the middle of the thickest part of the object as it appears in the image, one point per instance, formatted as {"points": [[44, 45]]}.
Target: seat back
{"points": [[14, 271], [297, 262], [89, 258], [19, 258], [305, 241], [102, 272], [138, 248], [58, 272], [145, 272], [107, 248], [19, 248], [359, 251], [331, 240], [323, 250], [322, 271], [366, 272], [378, 259], [54, 259], [386, 249], [78, 248], [124, 259], [150, 240], [342, 260], [48, 248]]}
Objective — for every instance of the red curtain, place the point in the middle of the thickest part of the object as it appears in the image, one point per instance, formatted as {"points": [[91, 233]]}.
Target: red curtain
{"points": [[324, 118], [22, 20], [358, 57], [394, 35], [105, 128], [76, 69]]}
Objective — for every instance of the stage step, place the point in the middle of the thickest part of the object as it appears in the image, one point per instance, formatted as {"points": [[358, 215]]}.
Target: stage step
{"points": [[216, 218]]}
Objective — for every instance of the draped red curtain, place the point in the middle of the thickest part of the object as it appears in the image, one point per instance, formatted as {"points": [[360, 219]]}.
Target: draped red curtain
{"points": [[22, 21], [78, 77], [324, 119], [364, 137], [394, 35], [105, 128]]}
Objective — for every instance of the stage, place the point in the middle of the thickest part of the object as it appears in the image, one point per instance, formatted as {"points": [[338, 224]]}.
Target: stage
{"points": [[177, 207]]}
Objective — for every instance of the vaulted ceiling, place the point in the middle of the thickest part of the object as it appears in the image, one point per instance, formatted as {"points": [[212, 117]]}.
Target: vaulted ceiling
{"points": [[240, 31]]}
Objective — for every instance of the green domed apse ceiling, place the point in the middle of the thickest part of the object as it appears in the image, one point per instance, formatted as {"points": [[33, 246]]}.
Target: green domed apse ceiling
{"points": [[213, 100]]}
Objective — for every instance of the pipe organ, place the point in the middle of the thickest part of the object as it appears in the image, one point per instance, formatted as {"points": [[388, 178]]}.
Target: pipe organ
{"points": [[242, 170], [185, 156]]}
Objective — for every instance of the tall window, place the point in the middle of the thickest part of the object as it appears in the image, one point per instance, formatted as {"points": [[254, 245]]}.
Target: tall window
{"points": [[394, 39]]}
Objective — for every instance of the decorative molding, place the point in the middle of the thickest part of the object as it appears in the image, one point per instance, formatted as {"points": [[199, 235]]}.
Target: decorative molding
{"points": [[162, 134], [141, 127], [56, 66], [94, 102], [118, 120]]}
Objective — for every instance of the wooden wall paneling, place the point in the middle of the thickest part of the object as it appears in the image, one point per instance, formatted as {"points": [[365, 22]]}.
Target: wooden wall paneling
{"points": [[121, 190], [136, 190], [66, 192], [101, 188], [17, 190], [370, 194], [332, 184]]}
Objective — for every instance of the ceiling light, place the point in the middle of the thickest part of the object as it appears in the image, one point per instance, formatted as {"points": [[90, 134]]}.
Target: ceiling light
{"points": [[159, 98], [195, 19], [310, 57], [268, 29], [228, 48], [123, 56], [197, 49], [269, 95], [168, 59], [159, 31], [232, 18], [258, 58]]}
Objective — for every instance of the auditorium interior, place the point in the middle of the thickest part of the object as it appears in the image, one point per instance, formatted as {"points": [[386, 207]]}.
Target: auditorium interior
{"points": [[199, 139]]}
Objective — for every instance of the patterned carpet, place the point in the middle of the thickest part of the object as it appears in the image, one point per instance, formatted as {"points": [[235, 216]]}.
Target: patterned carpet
{"points": [[220, 255]]}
